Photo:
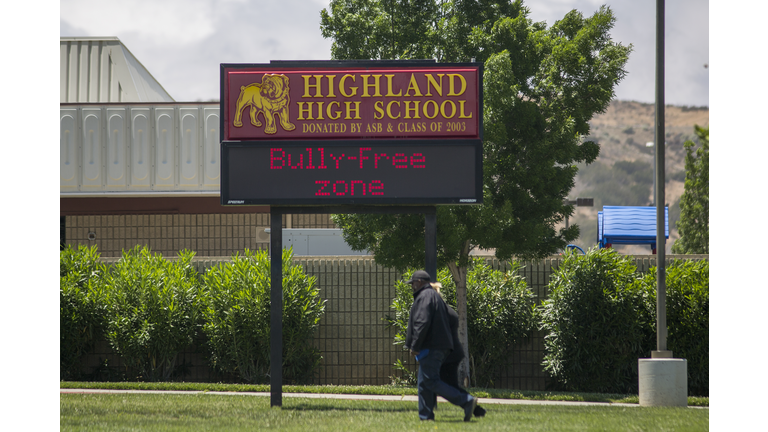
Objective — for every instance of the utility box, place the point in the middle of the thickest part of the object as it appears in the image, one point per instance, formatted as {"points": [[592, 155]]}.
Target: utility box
{"points": [[317, 242]]}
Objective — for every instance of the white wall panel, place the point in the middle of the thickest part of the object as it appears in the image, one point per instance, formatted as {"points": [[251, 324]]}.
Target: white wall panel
{"points": [[189, 150], [72, 72], [94, 64], [212, 149], [91, 149], [116, 163], [63, 71], [68, 150], [82, 68], [165, 146], [105, 77], [146, 149], [140, 161]]}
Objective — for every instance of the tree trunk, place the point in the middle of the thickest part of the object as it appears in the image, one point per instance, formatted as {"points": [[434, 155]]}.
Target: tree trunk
{"points": [[459, 275]]}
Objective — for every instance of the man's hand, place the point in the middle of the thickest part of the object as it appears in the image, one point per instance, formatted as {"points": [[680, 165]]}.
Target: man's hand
{"points": [[414, 353]]}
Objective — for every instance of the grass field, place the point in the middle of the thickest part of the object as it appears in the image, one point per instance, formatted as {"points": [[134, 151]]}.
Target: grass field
{"points": [[203, 412]]}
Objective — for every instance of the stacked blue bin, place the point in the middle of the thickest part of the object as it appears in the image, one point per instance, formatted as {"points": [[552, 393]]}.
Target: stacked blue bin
{"points": [[629, 225]]}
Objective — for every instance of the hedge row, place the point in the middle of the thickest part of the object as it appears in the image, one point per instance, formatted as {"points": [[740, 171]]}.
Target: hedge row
{"points": [[149, 309], [600, 317], [598, 320]]}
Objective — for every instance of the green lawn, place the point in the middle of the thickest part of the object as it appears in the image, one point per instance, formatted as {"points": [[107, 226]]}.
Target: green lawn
{"points": [[202, 412]]}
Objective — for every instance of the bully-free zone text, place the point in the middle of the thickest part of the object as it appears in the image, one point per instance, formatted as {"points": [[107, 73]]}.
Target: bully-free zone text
{"points": [[330, 160]]}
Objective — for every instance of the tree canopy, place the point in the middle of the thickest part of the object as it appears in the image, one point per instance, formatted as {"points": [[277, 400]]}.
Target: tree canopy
{"points": [[693, 225], [541, 87]]}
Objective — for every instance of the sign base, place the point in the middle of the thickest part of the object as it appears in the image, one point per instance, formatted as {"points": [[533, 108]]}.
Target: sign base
{"points": [[663, 381]]}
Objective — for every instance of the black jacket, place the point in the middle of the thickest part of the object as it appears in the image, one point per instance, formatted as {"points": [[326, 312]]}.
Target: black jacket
{"points": [[428, 323], [458, 353]]}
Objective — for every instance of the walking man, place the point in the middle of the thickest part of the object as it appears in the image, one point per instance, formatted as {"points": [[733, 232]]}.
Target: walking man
{"points": [[430, 340]]}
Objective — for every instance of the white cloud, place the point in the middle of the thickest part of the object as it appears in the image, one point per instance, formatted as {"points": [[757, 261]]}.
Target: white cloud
{"points": [[175, 22], [182, 43], [553, 10], [686, 45]]}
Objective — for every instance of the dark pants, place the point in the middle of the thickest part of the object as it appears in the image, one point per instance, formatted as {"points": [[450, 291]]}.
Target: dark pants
{"points": [[449, 373], [430, 385]]}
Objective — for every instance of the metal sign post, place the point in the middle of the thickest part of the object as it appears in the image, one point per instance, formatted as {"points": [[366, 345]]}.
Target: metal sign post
{"points": [[349, 137], [276, 308], [276, 269]]}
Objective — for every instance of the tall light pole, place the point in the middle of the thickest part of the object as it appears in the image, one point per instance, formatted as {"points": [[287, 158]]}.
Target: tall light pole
{"points": [[662, 379], [661, 281]]}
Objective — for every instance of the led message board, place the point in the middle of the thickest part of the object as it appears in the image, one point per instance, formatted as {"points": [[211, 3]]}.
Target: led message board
{"points": [[359, 132], [355, 172]]}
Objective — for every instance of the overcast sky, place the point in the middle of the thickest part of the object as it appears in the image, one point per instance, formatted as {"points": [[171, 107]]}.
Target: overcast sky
{"points": [[182, 42]]}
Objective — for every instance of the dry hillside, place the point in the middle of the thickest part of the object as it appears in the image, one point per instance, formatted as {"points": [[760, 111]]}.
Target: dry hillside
{"points": [[622, 132]]}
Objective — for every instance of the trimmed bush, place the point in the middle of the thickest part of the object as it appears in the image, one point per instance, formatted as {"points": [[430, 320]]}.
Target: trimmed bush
{"points": [[500, 315], [153, 311], [596, 323], [81, 307], [237, 318], [687, 317]]}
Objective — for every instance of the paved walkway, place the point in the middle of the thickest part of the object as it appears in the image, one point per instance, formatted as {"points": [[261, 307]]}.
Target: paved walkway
{"points": [[408, 398]]}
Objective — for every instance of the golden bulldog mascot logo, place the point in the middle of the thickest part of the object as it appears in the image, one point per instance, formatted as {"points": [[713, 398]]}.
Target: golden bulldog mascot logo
{"points": [[270, 98]]}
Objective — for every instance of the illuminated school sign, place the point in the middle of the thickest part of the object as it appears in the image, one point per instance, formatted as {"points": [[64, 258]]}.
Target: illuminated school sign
{"points": [[350, 102]]}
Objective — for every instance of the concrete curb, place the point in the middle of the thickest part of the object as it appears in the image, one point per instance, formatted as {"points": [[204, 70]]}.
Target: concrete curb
{"points": [[406, 398]]}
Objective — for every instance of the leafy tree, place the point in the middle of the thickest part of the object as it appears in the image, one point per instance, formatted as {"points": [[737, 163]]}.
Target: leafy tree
{"points": [[381, 29], [541, 87], [693, 225]]}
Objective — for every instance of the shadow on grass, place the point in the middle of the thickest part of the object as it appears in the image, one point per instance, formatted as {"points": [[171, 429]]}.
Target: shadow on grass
{"points": [[445, 418], [320, 407]]}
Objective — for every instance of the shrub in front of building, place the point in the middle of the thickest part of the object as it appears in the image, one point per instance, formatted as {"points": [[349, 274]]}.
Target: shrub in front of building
{"points": [[81, 307], [687, 305], [596, 323], [237, 318], [153, 312]]}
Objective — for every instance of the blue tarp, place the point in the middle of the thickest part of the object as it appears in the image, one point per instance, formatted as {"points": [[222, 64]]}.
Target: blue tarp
{"points": [[629, 225]]}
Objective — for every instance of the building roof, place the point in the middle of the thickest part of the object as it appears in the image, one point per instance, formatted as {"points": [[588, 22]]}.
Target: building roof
{"points": [[102, 69]]}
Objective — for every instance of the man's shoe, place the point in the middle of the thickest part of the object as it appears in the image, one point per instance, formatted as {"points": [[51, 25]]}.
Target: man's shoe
{"points": [[479, 411], [469, 408]]}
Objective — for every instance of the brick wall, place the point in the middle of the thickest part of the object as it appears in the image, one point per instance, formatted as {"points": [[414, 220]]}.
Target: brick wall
{"points": [[206, 234], [356, 345]]}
